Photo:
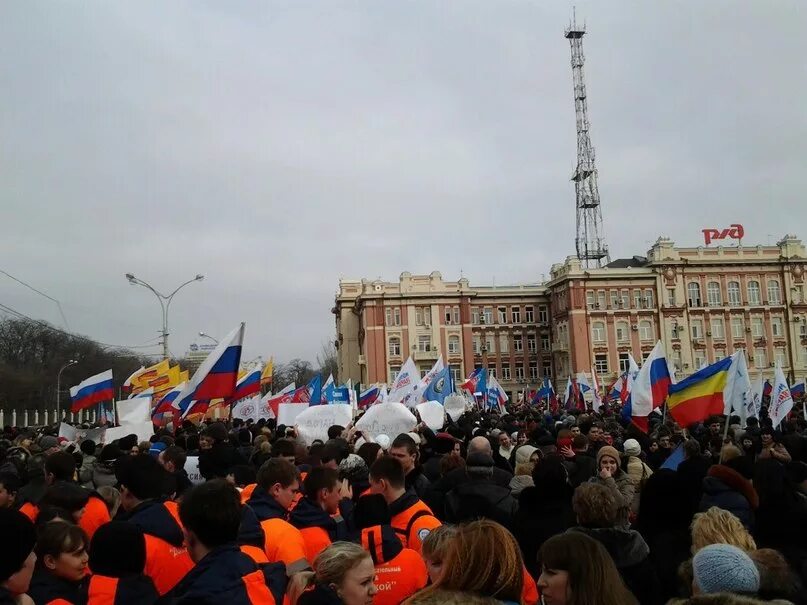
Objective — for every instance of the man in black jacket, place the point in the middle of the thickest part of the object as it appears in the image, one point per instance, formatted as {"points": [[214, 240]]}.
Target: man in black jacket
{"points": [[479, 497], [405, 450]]}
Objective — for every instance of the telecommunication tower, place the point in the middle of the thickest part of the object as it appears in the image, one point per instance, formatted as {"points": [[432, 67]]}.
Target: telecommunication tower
{"points": [[590, 239]]}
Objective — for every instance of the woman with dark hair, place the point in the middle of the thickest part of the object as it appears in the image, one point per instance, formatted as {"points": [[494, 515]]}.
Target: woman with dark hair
{"points": [[544, 509], [369, 452], [61, 551], [577, 570]]}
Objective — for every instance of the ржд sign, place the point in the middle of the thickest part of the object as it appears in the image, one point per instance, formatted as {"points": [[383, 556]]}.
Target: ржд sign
{"points": [[734, 231]]}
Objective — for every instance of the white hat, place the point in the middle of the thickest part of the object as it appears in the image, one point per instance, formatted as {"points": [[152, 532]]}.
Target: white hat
{"points": [[383, 441], [632, 447], [415, 437]]}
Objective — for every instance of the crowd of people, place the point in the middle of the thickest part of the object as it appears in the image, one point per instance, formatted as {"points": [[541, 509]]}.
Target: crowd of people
{"points": [[528, 507]]}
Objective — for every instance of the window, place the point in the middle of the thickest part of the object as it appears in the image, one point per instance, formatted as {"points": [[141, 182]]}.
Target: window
{"points": [[516, 315], [601, 363], [504, 344], [753, 293], [637, 299], [519, 372], [694, 294], [544, 343], [776, 327], [697, 328], [394, 347], [774, 294], [713, 294], [598, 331], [528, 315], [648, 299], [477, 345], [543, 315], [393, 373], [457, 315], [547, 368], [475, 316], [645, 330], [699, 360], [396, 314], [533, 370], [803, 329], [448, 315], [388, 316], [487, 316], [614, 299], [424, 343], [456, 373], [490, 343], [518, 343], [454, 344], [532, 344], [502, 315], [423, 316], [779, 357], [625, 299], [590, 299], [505, 372], [601, 299], [757, 327], [671, 297], [492, 370], [718, 329], [760, 358], [624, 362], [622, 331], [734, 293], [737, 327]]}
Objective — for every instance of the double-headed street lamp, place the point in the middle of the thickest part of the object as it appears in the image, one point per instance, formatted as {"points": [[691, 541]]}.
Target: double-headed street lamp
{"points": [[72, 362], [165, 302]]}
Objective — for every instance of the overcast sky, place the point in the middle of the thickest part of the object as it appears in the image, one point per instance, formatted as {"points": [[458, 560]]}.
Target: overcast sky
{"points": [[278, 146]]}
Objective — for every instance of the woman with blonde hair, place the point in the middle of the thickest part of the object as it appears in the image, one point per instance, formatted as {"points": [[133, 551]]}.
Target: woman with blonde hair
{"points": [[482, 558], [343, 575], [434, 549], [718, 526]]}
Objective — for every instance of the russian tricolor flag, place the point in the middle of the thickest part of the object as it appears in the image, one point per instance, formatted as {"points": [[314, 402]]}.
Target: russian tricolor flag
{"points": [[650, 388], [369, 396], [249, 385], [166, 404], [218, 374], [797, 390], [92, 391]]}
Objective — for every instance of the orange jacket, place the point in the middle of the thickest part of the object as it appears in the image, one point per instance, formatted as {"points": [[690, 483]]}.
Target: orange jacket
{"points": [[95, 514], [317, 527], [400, 572], [412, 520], [281, 540], [104, 590], [246, 493], [529, 594]]}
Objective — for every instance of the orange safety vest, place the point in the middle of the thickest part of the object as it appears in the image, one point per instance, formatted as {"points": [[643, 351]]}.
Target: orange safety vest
{"points": [[284, 542], [246, 493], [30, 510], [95, 515], [316, 540], [529, 593], [400, 578], [166, 564], [258, 592], [414, 524]]}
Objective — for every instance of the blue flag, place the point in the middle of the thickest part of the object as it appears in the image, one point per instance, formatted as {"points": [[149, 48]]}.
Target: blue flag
{"points": [[674, 459], [315, 390], [340, 395], [440, 387]]}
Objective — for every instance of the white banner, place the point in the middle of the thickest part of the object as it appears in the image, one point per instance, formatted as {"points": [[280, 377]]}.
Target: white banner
{"points": [[134, 411], [432, 414], [287, 412], [75, 434], [314, 422], [389, 419], [248, 409], [455, 406], [192, 468], [143, 430]]}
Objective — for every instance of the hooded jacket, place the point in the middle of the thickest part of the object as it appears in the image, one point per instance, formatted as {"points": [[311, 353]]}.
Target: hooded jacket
{"points": [[167, 561], [624, 488], [226, 575], [103, 473], [318, 528], [127, 590], [417, 481], [725, 488], [631, 556], [400, 572]]}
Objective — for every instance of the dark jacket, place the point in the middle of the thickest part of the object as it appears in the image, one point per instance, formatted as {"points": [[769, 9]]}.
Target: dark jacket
{"points": [[226, 575], [135, 589], [692, 471], [265, 506], [725, 488], [155, 520], [308, 514], [631, 556], [581, 468], [45, 587], [541, 516], [435, 497], [319, 594], [183, 482], [480, 498], [217, 461], [418, 481]]}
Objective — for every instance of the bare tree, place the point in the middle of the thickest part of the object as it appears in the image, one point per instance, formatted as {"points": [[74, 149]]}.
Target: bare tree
{"points": [[328, 361]]}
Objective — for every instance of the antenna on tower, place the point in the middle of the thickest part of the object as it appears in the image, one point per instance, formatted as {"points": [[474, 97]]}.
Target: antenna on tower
{"points": [[590, 238]]}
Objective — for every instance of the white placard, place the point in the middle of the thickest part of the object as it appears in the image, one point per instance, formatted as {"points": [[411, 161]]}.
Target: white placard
{"points": [[287, 412], [143, 430], [314, 422], [192, 468], [389, 419], [432, 414], [75, 434], [455, 406], [134, 411], [68, 432], [247, 409]]}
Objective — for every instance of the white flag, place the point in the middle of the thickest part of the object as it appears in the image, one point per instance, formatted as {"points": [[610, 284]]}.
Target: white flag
{"points": [[738, 386], [416, 396], [596, 403], [754, 402], [781, 400], [405, 382]]}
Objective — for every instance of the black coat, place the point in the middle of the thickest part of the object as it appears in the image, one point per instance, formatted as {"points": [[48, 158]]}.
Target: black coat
{"points": [[218, 461], [581, 468], [725, 488], [541, 516], [418, 481], [632, 558], [435, 496], [692, 472], [480, 498]]}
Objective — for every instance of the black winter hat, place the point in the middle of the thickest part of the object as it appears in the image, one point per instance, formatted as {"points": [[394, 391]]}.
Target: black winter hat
{"points": [[19, 539], [118, 548], [128, 443]]}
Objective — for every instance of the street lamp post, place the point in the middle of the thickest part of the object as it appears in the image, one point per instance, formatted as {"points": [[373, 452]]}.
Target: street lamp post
{"points": [[205, 335], [165, 302], [72, 362]]}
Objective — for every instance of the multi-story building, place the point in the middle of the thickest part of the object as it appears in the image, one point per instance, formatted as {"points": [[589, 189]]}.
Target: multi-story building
{"points": [[703, 303]]}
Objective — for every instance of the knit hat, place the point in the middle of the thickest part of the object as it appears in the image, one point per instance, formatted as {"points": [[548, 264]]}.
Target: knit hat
{"points": [[47, 442], [118, 548], [632, 447], [353, 468], [524, 452], [607, 450], [128, 443], [18, 541], [724, 568], [110, 452], [156, 448], [383, 441]]}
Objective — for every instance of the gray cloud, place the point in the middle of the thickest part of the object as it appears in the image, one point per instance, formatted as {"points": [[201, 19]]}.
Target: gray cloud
{"points": [[277, 146]]}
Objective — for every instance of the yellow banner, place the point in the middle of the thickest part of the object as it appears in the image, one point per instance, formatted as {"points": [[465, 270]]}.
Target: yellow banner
{"points": [[141, 381], [268, 370]]}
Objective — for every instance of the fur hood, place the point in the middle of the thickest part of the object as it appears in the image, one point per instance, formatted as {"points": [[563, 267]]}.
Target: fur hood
{"points": [[733, 480]]}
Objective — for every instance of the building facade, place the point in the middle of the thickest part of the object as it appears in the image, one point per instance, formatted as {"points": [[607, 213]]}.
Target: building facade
{"points": [[703, 303]]}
